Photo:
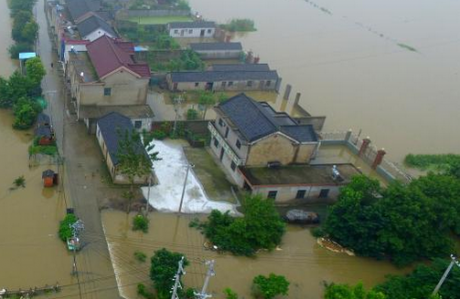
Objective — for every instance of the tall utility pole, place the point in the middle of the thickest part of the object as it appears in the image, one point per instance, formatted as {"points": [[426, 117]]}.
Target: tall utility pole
{"points": [[185, 185], [209, 274], [180, 271], [444, 276], [77, 227]]}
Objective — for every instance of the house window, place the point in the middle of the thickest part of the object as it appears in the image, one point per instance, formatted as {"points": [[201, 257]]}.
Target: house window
{"points": [[301, 194], [176, 31], [209, 30], [190, 31], [249, 84], [107, 91], [268, 83], [138, 124], [272, 194], [224, 84], [323, 193], [226, 132], [238, 144], [221, 122], [197, 84], [233, 166], [230, 83], [216, 142]]}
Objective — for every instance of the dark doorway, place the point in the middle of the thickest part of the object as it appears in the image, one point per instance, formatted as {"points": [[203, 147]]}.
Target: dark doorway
{"points": [[221, 154], [300, 194], [209, 86], [202, 32]]}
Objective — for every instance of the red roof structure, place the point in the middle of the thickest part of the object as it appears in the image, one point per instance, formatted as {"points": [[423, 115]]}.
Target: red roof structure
{"points": [[108, 55]]}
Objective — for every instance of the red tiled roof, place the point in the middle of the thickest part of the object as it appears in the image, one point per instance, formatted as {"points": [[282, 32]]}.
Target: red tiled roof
{"points": [[108, 55]]}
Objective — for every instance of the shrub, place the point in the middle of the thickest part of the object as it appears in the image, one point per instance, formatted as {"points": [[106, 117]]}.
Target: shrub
{"points": [[140, 222], [142, 290], [20, 182], [192, 114], [65, 231], [230, 294], [271, 286], [159, 134], [140, 256], [239, 25], [15, 49]]}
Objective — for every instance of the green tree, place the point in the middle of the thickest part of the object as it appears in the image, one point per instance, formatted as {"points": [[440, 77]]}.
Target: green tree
{"points": [[5, 95], [164, 265], [17, 6], [35, 70], [29, 32], [134, 160], [192, 114], [17, 48], [344, 291], [206, 99], [25, 112], [404, 223], [261, 227], [420, 283], [20, 20], [271, 286]]}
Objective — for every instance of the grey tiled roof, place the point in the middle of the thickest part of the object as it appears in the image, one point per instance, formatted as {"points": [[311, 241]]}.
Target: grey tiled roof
{"points": [[217, 76], [78, 8], [216, 46], [92, 24], [186, 25], [255, 120], [257, 67], [110, 125]]}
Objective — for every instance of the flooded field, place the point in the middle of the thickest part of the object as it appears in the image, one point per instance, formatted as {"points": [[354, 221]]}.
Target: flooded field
{"points": [[387, 67], [300, 259], [31, 254]]}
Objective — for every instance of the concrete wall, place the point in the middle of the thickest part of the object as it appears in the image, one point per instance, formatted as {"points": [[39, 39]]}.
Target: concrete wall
{"points": [[191, 32], [231, 139], [278, 147], [153, 13], [288, 193], [226, 162], [126, 89], [228, 86], [96, 34], [316, 121]]}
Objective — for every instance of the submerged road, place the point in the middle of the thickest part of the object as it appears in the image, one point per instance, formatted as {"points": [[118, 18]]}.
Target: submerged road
{"points": [[84, 189]]}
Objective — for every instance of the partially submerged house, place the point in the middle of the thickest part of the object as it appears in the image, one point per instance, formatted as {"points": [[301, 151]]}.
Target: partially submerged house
{"points": [[218, 50], [240, 77], [268, 152], [107, 78], [191, 29], [109, 132], [94, 27], [44, 132]]}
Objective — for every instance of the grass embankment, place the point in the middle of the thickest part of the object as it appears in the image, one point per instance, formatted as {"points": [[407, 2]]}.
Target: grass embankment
{"points": [[159, 20], [432, 162]]}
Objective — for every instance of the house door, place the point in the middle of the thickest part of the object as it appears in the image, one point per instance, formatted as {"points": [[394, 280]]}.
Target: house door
{"points": [[202, 32], [175, 87], [209, 86], [221, 154]]}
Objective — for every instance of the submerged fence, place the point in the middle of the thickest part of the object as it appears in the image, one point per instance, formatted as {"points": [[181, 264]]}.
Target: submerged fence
{"points": [[368, 153]]}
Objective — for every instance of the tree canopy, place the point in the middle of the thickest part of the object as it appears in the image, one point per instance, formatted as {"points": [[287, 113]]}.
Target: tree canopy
{"points": [[270, 286], [35, 70], [404, 223], [345, 291], [260, 228], [164, 265]]}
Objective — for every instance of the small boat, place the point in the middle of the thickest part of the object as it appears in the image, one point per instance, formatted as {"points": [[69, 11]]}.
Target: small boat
{"points": [[73, 244]]}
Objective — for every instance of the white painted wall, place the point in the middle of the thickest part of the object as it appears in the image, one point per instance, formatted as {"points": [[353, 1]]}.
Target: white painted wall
{"points": [[191, 32]]}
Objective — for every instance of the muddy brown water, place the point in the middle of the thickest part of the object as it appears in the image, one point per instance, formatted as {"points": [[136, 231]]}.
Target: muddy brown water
{"points": [[31, 255], [7, 66], [300, 259], [343, 56]]}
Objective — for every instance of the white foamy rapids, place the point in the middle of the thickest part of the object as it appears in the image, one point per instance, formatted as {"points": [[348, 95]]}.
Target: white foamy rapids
{"points": [[171, 171]]}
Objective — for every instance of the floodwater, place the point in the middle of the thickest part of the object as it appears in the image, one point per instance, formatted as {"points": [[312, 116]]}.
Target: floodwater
{"points": [[31, 254], [344, 57], [304, 263], [7, 66]]}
